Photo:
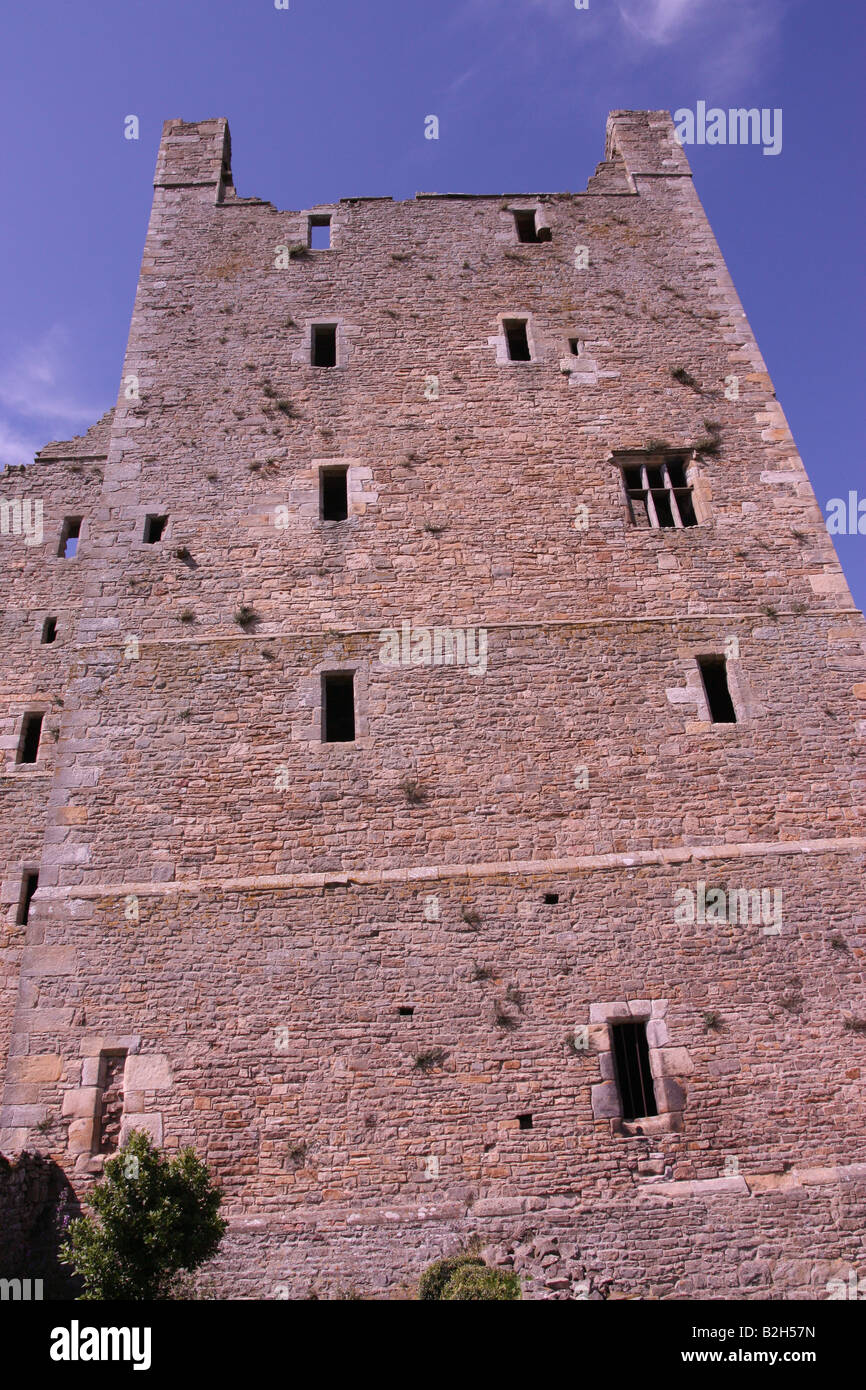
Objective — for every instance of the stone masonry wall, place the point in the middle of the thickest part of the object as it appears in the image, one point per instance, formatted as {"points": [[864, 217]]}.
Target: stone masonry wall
{"points": [[373, 982]]}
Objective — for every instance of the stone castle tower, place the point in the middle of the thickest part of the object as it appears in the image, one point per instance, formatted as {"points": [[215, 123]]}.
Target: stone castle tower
{"points": [[432, 726]]}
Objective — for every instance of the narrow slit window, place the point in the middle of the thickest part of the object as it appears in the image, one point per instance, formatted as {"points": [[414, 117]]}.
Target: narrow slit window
{"points": [[631, 1062], [31, 733], [338, 707], [29, 885], [69, 534], [516, 340], [323, 345], [659, 494], [154, 529], [320, 233], [110, 1101], [714, 674], [49, 630], [574, 346], [334, 494]]}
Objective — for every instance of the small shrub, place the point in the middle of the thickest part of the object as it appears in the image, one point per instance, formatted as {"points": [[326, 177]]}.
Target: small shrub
{"points": [[838, 942], [286, 408], [470, 916], [187, 616], [413, 791], [434, 528], [427, 1061], [471, 1283], [298, 251], [433, 1281], [712, 1022], [855, 1025], [483, 972], [246, 617], [683, 377]]}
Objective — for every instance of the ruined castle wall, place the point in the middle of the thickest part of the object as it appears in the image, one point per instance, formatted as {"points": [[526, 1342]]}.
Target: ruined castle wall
{"points": [[245, 910]]}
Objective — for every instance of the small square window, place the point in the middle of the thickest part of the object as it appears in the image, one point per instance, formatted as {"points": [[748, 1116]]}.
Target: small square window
{"points": [[631, 1062], [154, 529], [31, 733], [320, 233], [69, 535], [334, 494], [659, 493], [323, 345], [338, 707], [525, 1121], [714, 675], [29, 884], [516, 339]]}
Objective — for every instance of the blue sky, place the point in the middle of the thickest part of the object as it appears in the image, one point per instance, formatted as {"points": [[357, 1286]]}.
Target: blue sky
{"points": [[328, 98]]}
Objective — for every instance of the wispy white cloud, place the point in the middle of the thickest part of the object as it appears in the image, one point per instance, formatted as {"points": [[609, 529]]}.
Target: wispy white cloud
{"points": [[16, 447], [34, 382], [38, 401], [721, 41]]}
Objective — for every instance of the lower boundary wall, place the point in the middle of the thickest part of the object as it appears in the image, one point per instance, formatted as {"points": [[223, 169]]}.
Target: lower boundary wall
{"points": [[787, 1242]]}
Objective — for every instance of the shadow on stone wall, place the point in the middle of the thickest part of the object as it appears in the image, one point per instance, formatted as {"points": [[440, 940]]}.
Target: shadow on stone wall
{"points": [[36, 1204]]}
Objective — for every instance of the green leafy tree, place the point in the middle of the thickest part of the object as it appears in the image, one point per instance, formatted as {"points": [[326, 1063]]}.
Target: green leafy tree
{"points": [[154, 1218]]}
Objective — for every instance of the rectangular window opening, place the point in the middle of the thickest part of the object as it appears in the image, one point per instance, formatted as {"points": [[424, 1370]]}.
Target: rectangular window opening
{"points": [[525, 1121], [338, 707], [551, 898], [334, 494], [406, 1010], [574, 346], [516, 340], [631, 1062], [525, 225], [320, 233], [29, 884], [49, 630], [659, 494], [323, 345], [154, 529], [31, 733], [69, 534], [111, 1065], [714, 675]]}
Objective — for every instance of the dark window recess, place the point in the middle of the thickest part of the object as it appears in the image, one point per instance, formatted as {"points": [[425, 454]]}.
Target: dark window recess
{"points": [[154, 529], [28, 888], [31, 732], [69, 534], [334, 494], [320, 233], [659, 494], [49, 630], [632, 1066], [527, 228], [715, 678], [338, 707], [110, 1100], [406, 1011], [525, 1121], [516, 339], [551, 898], [323, 345], [574, 345]]}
